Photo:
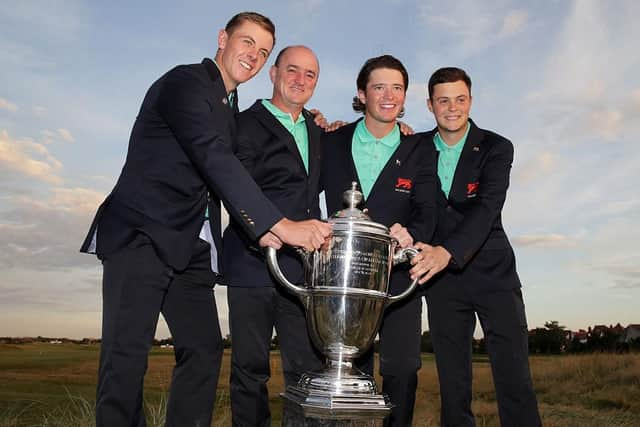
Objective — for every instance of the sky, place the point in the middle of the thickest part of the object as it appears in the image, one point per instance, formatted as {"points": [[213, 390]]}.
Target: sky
{"points": [[560, 79]]}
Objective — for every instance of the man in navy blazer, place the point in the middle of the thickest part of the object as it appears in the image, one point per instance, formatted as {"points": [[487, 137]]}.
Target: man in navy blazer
{"points": [[397, 175], [279, 144], [471, 263], [151, 233]]}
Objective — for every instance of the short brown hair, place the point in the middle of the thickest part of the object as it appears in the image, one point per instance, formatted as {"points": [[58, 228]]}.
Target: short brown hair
{"points": [[254, 17], [449, 75], [384, 61]]}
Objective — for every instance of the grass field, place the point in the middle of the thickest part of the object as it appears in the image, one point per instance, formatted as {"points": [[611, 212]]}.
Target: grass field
{"points": [[54, 385]]}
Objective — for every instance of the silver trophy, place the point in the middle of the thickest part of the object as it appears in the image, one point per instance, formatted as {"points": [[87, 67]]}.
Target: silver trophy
{"points": [[345, 294]]}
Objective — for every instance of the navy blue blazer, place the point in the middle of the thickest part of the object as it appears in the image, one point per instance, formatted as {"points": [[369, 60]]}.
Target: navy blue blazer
{"points": [[180, 150], [405, 191], [269, 152], [469, 221]]}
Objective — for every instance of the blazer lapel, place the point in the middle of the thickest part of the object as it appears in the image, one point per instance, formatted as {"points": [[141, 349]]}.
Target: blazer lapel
{"points": [[278, 129], [219, 94], [315, 149], [349, 153], [471, 152]]}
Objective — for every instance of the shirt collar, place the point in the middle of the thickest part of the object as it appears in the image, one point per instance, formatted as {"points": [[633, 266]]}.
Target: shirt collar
{"points": [[390, 140], [278, 113], [231, 97], [457, 147]]}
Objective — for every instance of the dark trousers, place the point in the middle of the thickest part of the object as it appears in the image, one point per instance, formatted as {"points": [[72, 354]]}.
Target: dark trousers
{"points": [[137, 286], [399, 358], [253, 313], [452, 319]]}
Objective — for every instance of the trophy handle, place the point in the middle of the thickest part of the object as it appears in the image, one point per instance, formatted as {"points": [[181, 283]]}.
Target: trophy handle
{"points": [[274, 268], [403, 255]]}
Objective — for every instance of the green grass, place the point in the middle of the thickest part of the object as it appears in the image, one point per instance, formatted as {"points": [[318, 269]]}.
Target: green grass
{"points": [[51, 385]]}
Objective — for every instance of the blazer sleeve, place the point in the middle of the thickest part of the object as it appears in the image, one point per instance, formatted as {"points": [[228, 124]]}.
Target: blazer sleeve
{"points": [[422, 224], [471, 233], [200, 126]]}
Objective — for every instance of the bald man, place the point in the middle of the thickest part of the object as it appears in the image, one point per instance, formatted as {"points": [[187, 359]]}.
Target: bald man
{"points": [[279, 144]]}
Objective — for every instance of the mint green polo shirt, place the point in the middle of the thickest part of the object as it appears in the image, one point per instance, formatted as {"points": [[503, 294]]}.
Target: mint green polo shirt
{"points": [[371, 154], [298, 129], [448, 159]]}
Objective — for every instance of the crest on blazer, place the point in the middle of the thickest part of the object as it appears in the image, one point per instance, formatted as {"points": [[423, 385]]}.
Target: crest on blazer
{"points": [[472, 189], [404, 185]]}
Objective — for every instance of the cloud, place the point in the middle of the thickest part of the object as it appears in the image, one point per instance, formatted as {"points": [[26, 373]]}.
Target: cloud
{"points": [[44, 233], [76, 200], [607, 124], [584, 94], [635, 98], [538, 165], [29, 158], [514, 22], [626, 284], [50, 136], [472, 27], [54, 291], [543, 240], [66, 135], [9, 106]]}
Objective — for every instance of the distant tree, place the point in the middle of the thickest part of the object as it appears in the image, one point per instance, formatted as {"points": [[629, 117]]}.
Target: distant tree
{"points": [[557, 336], [552, 339]]}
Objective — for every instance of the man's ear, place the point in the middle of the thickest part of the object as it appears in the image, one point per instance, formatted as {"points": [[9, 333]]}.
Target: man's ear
{"points": [[429, 106], [272, 73], [362, 97], [223, 37]]}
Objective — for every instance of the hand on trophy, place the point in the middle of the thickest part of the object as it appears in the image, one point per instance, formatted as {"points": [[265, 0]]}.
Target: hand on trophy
{"points": [[271, 240], [309, 234], [401, 234], [429, 262]]}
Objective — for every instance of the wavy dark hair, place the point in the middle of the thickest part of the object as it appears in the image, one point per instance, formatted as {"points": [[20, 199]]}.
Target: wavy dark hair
{"points": [[384, 61], [448, 75]]}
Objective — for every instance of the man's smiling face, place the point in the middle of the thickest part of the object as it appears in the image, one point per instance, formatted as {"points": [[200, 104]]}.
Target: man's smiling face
{"points": [[243, 52]]}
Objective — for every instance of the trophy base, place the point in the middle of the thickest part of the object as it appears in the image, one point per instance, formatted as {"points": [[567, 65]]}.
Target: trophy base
{"points": [[333, 394]]}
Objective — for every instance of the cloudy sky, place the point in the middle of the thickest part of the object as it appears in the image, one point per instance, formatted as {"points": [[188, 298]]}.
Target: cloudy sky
{"points": [[559, 78]]}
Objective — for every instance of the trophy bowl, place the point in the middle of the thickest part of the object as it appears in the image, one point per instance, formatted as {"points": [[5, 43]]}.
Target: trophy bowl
{"points": [[345, 294]]}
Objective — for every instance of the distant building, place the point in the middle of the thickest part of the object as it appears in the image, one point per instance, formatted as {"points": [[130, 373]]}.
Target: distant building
{"points": [[631, 332], [580, 336]]}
